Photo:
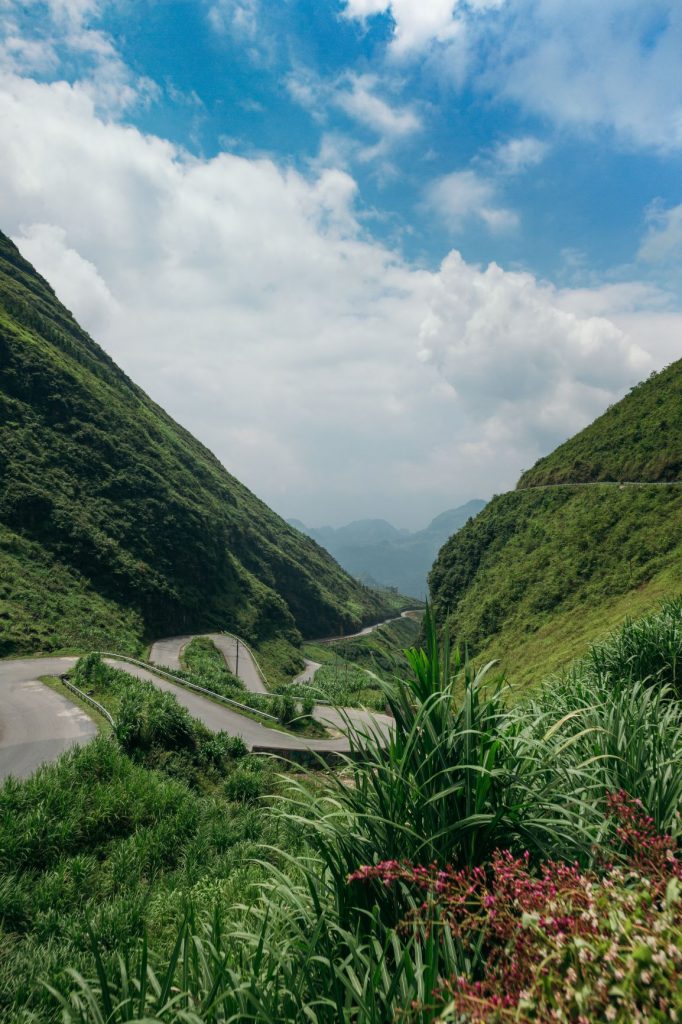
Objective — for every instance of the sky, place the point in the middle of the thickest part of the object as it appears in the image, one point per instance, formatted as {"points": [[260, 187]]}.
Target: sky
{"points": [[378, 255]]}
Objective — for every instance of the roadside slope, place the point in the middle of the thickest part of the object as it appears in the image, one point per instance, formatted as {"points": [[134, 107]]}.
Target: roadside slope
{"points": [[129, 525], [545, 569]]}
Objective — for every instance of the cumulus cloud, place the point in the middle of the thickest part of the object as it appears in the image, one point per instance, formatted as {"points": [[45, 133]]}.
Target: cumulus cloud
{"points": [[516, 358], [462, 195], [249, 301], [415, 22], [587, 65]]}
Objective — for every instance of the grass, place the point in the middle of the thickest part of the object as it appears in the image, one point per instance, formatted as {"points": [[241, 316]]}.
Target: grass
{"points": [[205, 666], [638, 438], [540, 573], [101, 841], [353, 669], [464, 776], [46, 606], [544, 570], [344, 685]]}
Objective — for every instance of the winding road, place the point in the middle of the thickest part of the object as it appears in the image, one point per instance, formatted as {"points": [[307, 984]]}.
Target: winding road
{"points": [[37, 724]]}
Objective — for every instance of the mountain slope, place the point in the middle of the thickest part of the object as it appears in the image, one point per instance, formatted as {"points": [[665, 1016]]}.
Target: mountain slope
{"points": [[544, 569], [638, 438], [373, 549], [132, 520]]}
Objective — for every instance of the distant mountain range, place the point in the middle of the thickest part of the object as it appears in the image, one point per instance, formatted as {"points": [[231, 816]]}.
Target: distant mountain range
{"points": [[379, 553]]}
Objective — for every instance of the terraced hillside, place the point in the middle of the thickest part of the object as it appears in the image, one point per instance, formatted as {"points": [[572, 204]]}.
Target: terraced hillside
{"points": [[547, 568], [116, 523]]}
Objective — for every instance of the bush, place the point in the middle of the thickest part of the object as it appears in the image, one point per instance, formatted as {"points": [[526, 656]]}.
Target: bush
{"points": [[307, 706], [562, 946], [246, 784], [287, 709], [153, 718]]}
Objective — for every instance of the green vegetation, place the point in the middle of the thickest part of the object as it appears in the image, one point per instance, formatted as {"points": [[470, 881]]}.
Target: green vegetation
{"points": [[121, 837], [540, 573], [344, 685], [45, 605], [638, 438], [202, 658], [138, 528], [433, 877], [352, 669]]}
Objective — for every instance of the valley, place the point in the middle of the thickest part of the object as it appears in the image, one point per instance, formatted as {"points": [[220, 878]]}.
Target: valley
{"points": [[271, 792]]}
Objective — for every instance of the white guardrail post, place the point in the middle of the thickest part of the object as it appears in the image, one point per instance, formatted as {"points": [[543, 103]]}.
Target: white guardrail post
{"points": [[84, 696]]}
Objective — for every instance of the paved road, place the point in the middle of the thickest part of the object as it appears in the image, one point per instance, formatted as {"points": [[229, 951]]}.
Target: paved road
{"points": [[308, 673], [602, 483], [409, 614], [237, 657], [36, 724], [257, 736]]}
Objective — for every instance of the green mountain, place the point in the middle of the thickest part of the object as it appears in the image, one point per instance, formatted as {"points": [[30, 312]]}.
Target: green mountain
{"points": [[639, 438], [115, 523], [375, 551], [545, 569]]}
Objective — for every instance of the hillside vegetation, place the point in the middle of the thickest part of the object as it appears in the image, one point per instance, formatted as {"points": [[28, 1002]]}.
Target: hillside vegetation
{"points": [[490, 857], [638, 438], [115, 522], [542, 571]]}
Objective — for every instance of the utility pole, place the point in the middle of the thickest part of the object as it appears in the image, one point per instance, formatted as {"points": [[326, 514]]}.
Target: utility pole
{"points": [[236, 671]]}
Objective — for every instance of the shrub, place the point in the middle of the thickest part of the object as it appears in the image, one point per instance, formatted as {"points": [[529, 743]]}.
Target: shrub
{"points": [[562, 946], [153, 718], [287, 709]]}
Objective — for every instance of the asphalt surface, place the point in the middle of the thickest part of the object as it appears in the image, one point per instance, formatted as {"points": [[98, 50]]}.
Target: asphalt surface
{"points": [[237, 657], [257, 736], [36, 724], [367, 630], [308, 673]]}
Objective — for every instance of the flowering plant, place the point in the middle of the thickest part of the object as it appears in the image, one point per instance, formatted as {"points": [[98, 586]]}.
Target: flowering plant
{"points": [[562, 945]]}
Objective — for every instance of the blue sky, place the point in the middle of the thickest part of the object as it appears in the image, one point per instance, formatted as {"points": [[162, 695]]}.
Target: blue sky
{"points": [[378, 255]]}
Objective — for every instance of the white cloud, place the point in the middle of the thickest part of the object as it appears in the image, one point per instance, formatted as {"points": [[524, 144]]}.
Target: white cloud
{"points": [[525, 367], [35, 37], [246, 22], [516, 155], [361, 103], [614, 64], [75, 279], [461, 195], [357, 97], [416, 22], [247, 300], [238, 17], [664, 236]]}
